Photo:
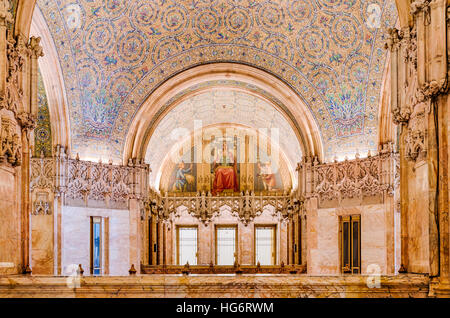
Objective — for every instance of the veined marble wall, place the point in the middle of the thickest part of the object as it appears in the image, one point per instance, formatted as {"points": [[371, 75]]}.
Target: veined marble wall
{"points": [[418, 214], [377, 250], [76, 239], [42, 244], [245, 241], [10, 228]]}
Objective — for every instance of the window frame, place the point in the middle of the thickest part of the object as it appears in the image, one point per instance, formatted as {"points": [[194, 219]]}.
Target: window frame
{"points": [[181, 226], [93, 221], [350, 268], [274, 243], [236, 242]]}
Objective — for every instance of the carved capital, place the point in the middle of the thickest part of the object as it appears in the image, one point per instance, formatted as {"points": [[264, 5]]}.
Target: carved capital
{"points": [[431, 89], [15, 60], [27, 121], [41, 208], [416, 137], [418, 6], [401, 115], [409, 46], [393, 40], [35, 47], [10, 142]]}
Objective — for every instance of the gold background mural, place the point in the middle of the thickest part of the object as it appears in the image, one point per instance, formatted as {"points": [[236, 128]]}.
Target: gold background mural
{"points": [[224, 160]]}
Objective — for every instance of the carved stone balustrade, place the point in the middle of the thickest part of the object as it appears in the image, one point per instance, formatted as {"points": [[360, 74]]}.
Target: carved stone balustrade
{"points": [[84, 183], [357, 178], [222, 269], [246, 206]]}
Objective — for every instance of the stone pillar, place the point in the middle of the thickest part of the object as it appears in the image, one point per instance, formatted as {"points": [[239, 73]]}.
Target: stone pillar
{"points": [[290, 242], [311, 233], [246, 244], [419, 101], [135, 235], [304, 239], [60, 174], [43, 260], [153, 240], [6, 18], [160, 243], [27, 123], [145, 239], [18, 94], [297, 233]]}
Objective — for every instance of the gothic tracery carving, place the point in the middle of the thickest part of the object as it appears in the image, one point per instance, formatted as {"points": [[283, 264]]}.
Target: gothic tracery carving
{"points": [[356, 178], [83, 180], [98, 181], [417, 82], [245, 206], [42, 173], [410, 104], [10, 142]]}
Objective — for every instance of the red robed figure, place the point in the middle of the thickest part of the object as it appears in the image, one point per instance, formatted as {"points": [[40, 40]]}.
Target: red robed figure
{"points": [[225, 171]]}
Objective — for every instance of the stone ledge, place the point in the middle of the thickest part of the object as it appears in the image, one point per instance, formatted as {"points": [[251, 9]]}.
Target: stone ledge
{"points": [[213, 286]]}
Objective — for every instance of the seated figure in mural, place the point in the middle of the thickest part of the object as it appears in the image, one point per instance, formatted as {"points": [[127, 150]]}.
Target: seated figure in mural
{"points": [[267, 176], [225, 171], [182, 178]]}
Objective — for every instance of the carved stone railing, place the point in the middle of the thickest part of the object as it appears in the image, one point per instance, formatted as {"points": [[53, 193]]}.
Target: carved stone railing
{"points": [[357, 178], [221, 269], [246, 206], [84, 182]]}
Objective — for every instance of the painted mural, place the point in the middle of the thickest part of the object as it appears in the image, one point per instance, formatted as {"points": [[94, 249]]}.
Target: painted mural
{"points": [[183, 178], [214, 106], [265, 178], [227, 166]]}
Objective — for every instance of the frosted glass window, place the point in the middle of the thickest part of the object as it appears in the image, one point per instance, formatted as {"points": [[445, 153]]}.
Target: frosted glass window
{"points": [[265, 245], [226, 245], [187, 245]]}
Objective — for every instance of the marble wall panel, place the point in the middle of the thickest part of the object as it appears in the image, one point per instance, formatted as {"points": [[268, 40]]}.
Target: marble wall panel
{"points": [[42, 236], [76, 238], [10, 230], [323, 239], [323, 235], [418, 220]]}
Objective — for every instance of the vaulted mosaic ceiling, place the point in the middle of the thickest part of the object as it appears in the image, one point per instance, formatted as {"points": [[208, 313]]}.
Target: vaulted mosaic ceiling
{"points": [[114, 53]]}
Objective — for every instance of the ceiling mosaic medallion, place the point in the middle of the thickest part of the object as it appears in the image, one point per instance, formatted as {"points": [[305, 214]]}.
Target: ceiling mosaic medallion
{"points": [[115, 53]]}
